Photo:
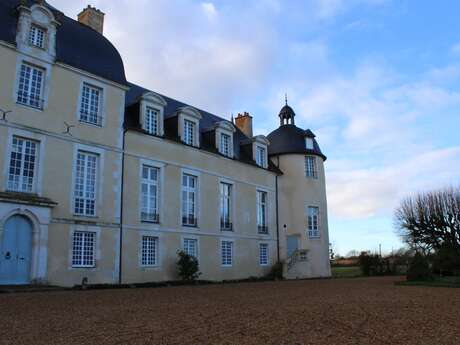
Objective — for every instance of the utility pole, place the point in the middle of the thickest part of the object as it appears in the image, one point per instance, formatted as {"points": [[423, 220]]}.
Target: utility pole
{"points": [[380, 249]]}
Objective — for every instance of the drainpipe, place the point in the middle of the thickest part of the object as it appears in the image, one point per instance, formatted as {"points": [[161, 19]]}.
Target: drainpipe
{"points": [[120, 249], [277, 216]]}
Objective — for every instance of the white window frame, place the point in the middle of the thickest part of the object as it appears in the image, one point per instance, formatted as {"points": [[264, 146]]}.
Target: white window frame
{"points": [[224, 128], [264, 218], [150, 184], [35, 31], [223, 256], [228, 199], [99, 175], [21, 177], [262, 142], [154, 101], [38, 174], [311, 170], [188, 190], [225, 144], [185, 239], [192, 115], [264, 260], [23, 94], [149, 237], [85, 234], [261, 160], [100, 118], [309, 144], [313, 229]]}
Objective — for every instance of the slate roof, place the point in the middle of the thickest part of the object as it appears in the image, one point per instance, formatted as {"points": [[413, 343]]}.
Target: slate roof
{"points": [[288, 139], [207, 121], [77, 45]]}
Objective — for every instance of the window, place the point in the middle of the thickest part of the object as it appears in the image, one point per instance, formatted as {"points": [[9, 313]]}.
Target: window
{"points": [[85, 184], [151, 120], [30, 86], [149, 251], [310, 167], [225, 206], [83, 249], [309, 143], [190, 246], [260, 156], [227, 253], [225, 142], [189, 183], [263, 254], [262, 212], [23, 162], [37, 36], [90, 107], [313, 228], [189, 132], [149, 194]]}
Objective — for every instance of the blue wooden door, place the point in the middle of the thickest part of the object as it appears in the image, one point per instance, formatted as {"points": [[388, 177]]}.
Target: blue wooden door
{"points": [[292, 244], [15, 251]]}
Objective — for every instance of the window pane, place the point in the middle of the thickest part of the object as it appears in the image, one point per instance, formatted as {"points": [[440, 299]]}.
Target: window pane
{"points": [[85, 184]]}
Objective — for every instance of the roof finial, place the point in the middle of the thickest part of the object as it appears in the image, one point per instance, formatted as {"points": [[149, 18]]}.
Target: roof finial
{"points": [[285, 98], [232, 119]]}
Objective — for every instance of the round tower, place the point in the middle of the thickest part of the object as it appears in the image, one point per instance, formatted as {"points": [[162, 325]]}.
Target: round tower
{"points": [[302, 205]]}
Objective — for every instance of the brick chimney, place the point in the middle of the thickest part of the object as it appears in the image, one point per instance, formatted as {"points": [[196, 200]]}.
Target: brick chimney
{"points": [[244, 123], [93, 18]]}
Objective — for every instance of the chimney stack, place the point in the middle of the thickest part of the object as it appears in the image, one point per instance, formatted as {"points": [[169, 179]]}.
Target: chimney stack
{"points": [[244, 123], [93, 18]]}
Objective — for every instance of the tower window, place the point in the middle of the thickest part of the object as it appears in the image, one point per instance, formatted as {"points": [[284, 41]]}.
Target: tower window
{"points": [[309, 143], [311, 170]]}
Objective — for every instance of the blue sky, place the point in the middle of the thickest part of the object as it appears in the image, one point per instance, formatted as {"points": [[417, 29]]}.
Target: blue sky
{"points": [[376, 80]]}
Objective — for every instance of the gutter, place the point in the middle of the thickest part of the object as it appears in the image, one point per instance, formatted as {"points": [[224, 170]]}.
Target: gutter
{"points": [[120, 249], [277, 214]]}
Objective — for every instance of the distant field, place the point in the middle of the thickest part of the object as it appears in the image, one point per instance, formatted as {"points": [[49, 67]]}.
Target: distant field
{"points": [[453, 282], [346, 272]]}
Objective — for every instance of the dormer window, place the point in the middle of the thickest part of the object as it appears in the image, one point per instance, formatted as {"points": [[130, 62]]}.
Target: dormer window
{"points": [[189, 132], [260, 156], [37, 36], [309, 143], [189, 126], [225, 144], [151, 113], [259, 149], [151, 120], [224, 137]]}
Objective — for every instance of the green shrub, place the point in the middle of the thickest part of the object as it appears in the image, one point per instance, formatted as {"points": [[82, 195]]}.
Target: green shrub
{"points": [[187, 267], [276, 272], [446, 260], [419, 268]]}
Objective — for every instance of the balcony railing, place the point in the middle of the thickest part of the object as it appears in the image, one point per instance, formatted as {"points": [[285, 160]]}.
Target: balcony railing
{"points": [[92, 119], [225, 224], [150, 217], [262, 229], [189, 220], [30, 100]]}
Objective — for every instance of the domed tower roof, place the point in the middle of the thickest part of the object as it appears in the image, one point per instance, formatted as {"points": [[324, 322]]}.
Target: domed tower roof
{"points": [[286, 114], [289, 138]]}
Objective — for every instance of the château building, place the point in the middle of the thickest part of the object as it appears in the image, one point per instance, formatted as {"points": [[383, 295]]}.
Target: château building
{"points": [[105, 181]]}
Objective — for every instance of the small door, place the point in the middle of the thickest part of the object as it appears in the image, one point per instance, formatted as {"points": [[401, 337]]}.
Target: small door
{"points": [[15, 251], [292, 244]]}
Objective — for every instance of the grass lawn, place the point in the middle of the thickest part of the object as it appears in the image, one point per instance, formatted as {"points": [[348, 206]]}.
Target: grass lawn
{"points": [[453, 282], [346, 272]]}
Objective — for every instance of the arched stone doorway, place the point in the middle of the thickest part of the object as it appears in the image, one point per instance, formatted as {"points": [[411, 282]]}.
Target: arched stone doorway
{"points": [[16, 250]]}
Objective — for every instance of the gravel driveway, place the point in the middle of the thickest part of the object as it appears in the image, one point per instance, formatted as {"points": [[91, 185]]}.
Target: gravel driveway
{"points": [[340, 311]]}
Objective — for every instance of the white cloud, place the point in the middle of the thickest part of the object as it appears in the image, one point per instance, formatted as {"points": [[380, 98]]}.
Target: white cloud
{"points": [[210, 10]]}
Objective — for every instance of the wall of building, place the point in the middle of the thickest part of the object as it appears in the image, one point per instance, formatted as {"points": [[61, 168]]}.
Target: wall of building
{"points": [[57, 152], [174, 159], [296, 193]]}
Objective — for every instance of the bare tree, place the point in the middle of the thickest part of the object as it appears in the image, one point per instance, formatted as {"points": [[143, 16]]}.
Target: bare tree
{"points": [[430, 220]]}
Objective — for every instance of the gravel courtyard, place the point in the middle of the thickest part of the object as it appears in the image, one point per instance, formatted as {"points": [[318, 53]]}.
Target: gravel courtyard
{"points": [[340, 311]]}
